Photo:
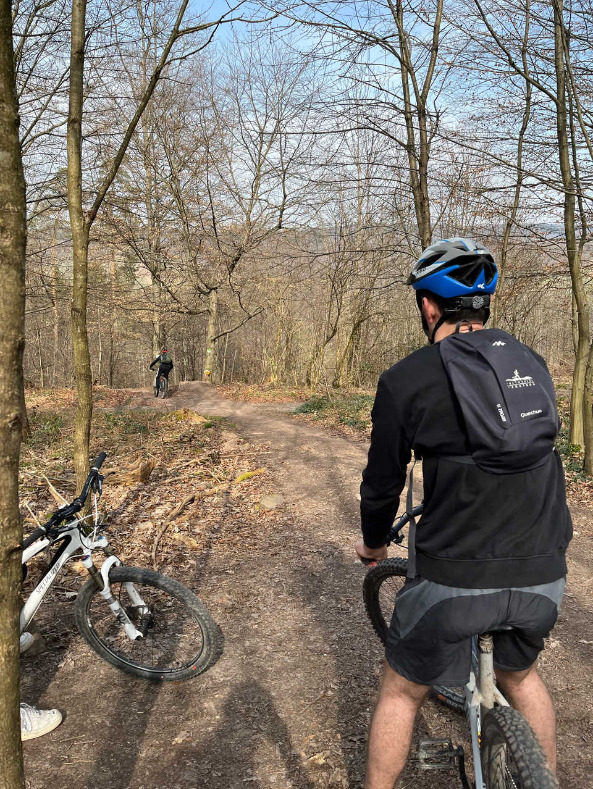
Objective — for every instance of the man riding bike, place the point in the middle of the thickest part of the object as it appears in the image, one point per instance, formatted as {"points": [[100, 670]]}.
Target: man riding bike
{"points": [[490, 547], [165, 364]]}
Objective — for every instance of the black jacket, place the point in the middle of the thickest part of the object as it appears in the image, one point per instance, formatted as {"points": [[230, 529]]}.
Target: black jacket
{"points": [[164, 365], [478, 530]]}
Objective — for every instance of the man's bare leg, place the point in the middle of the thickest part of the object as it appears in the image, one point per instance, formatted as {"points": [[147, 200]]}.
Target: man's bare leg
{"points": [[391, 729], [526, 692]]}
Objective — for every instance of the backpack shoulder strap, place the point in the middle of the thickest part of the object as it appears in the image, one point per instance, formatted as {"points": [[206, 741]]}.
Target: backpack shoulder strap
{"points": [[411, 573]]}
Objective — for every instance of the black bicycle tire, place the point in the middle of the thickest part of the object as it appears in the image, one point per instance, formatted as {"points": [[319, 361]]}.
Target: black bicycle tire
{"points": [[211, 639], [373, 580], [164, 388], [371, 587], [156, 391], [505, 730]]}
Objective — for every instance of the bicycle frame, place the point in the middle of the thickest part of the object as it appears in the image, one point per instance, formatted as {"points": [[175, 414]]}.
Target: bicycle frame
{"points": [[481, 694], [160, 381], [73, 541]]}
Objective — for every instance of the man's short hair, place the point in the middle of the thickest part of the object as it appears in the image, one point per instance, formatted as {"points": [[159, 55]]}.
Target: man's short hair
{"points": [[480, 316]]}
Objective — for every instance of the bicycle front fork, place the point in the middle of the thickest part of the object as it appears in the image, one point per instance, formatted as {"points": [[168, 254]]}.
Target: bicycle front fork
{"points": [[101, 578]]}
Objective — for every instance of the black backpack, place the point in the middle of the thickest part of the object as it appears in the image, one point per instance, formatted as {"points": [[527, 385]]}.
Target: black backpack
{"points": [[507, 399]]}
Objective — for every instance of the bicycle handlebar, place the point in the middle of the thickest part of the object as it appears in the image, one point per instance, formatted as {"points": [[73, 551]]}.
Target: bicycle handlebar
{"points": [[68, 509], [98, 461], [35, 535], [394, 532], [79, 501]]}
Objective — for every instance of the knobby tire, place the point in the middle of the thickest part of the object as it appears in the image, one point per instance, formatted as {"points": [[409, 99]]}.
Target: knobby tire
{"points": [[512, 757], [181, 639]]}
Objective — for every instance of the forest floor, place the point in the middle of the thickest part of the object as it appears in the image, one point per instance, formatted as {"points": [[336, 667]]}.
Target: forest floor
{"points": [[288, 703]]}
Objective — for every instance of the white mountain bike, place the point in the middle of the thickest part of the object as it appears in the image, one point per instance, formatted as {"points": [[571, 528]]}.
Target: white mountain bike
{"points": [[141, 621], [506, 753]]}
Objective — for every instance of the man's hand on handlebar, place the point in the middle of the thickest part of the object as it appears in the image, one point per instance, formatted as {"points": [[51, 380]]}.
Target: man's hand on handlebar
{"points": [[370, 556]]}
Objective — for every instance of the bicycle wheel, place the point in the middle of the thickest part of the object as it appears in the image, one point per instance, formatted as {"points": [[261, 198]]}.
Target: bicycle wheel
{"points": [[156, 388], [512, 757], [180, 638], [164, 387], [380, 587]]}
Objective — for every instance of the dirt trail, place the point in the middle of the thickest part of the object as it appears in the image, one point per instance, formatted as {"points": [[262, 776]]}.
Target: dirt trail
{"points": [[288, 704]]}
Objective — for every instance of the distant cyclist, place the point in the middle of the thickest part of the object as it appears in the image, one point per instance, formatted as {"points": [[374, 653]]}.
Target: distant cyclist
{"points": [[165, 363]]}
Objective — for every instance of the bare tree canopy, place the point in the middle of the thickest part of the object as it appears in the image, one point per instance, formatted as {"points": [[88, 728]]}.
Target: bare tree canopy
{"points": [[263, 198]]}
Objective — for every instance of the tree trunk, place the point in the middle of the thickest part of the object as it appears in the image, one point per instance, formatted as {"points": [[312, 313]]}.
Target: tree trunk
{"points": [[56, 315], [82, 359], [12, 319], [224, 357], [99, 371], [588, 413], [520, 177], [40, 355], [210, 355], [80, 246], [157, 339], [315, 366], [572, 249], [416, 116], [344, 363], [112, 322]]}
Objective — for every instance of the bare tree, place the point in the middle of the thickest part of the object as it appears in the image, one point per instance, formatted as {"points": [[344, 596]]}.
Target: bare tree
{"points": [[392, 51], [12, 310], [557, 87], [81, 221]]}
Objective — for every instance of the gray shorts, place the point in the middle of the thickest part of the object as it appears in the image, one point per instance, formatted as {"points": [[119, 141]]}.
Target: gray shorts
{"points": [[429, 639]]}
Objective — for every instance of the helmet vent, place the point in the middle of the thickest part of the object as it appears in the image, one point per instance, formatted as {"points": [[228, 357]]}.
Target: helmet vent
{"points": [[469, 272]]}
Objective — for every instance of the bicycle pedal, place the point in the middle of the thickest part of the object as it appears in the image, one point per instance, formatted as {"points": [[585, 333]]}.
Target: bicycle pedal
{"points": [[437, 754]]}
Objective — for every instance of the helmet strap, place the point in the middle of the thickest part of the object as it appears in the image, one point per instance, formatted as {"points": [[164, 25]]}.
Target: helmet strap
{"points": [[437, 326], [453, 306]]}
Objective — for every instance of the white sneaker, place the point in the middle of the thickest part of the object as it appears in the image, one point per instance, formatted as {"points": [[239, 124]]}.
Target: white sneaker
{"points": [[26, 641], [36, 723]]}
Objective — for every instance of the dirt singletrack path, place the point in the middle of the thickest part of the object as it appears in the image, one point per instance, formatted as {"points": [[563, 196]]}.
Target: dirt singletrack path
{"points": [[288, 704]]}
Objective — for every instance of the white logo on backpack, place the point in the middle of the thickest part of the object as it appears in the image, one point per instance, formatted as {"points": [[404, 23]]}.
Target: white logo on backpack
{"points": [[518, 382], [498, 342]]}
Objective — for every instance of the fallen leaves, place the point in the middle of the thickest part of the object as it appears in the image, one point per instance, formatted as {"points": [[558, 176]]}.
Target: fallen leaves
{"points": [[161, 463]]}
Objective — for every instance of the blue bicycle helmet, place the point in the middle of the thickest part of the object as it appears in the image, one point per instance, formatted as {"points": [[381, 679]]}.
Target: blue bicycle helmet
{"points": [[455, 267], [460, 271]]}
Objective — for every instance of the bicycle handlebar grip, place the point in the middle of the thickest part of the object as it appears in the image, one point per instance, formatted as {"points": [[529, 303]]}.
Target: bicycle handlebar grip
{"points": [[35, 535], [98, 461]]}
